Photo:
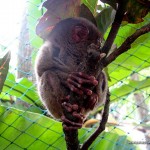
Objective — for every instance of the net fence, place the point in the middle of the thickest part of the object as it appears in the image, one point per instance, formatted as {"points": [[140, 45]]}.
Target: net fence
{"points": [[25, 123]]}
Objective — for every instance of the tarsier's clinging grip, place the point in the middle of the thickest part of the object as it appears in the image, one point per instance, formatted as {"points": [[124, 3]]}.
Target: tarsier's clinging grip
{"points": [[60, 68]]}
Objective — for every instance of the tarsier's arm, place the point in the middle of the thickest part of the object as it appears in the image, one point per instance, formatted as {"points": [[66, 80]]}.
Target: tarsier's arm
{"points": [[47, 59], [93, 99]]}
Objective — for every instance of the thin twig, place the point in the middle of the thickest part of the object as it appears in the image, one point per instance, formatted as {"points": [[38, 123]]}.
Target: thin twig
{"points": [[126, 44], [102, 124], [114, 29]]}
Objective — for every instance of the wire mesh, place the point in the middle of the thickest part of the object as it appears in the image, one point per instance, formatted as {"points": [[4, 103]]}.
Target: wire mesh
{"points": [[24, 122]]}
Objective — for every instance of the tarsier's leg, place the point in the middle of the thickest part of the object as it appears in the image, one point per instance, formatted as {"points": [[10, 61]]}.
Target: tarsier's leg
{"points": [[50, 89], [74, 110], [54, 100]]}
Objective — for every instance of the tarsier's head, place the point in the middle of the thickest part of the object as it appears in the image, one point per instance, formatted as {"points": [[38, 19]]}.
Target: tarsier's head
{"points": [[76, 31]]}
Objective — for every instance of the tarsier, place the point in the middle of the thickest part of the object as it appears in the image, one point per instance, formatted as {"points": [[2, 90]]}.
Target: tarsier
{"points": [[60, 66]]}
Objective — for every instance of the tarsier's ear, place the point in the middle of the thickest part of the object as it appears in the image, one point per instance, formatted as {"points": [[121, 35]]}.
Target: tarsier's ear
{"points": [[80, 33]]}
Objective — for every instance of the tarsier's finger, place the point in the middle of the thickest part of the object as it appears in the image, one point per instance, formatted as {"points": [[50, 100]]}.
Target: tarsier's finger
{"points": [[79, 88], [74, 89], [75, 107], [78, 116], [83, 75], [69, 107], [81, 80], [66, 99], [93, 100], [74, 83], [93, 103], [87, 91], [71, 123]]}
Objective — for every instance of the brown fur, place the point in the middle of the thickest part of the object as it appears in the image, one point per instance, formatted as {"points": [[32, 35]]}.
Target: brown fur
{"points": [[59, 56]]}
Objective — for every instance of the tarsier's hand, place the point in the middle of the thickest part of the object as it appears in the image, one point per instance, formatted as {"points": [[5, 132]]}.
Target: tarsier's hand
{"points": [[77, 80], [76, 83]]}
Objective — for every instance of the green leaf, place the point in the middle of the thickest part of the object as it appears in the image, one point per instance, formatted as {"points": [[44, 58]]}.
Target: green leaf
{"points": [[4, 66], [105, 18], [21, 105], [128, 63], [22, 89], [29, 130], [132, 86], [86, 13], [135, 59], [20, 130], [91, 4], [112, 3], [113, 140], [128, 29]]}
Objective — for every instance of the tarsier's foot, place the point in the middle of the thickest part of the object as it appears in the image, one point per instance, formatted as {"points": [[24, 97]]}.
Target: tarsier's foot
{"points": [[77, 80], [70, 125], [73, 109]]}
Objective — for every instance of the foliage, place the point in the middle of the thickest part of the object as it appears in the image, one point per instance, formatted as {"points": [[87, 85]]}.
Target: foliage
{"points": [[126, 89], [21, 129], [22, 89], [135, 9], [105, 18]]}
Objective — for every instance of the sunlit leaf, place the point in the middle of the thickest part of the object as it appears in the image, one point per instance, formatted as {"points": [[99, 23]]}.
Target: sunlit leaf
{"points": [[86, 13], [26, 130], [21, 105], [112, 3], [22, 89], [135, 59], [91, 4], [105, 18], [132, 86]]}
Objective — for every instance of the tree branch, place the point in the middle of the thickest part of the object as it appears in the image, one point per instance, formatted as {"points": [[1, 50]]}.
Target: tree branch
{"points": [[126, 44], [71, 138], [114, 29], [102, 124]]}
